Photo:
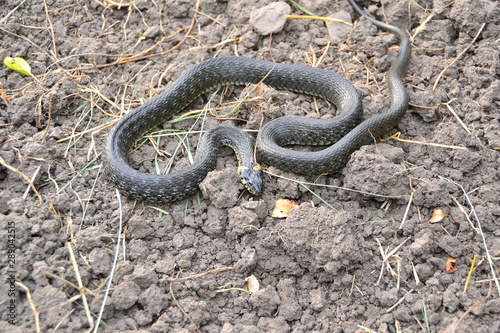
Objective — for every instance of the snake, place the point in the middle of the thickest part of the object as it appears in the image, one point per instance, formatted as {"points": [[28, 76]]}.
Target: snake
{"points": [[340, 135]]}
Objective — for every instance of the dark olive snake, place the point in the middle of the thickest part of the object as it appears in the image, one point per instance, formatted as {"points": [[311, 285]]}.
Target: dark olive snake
{"points": [[342, 134]]}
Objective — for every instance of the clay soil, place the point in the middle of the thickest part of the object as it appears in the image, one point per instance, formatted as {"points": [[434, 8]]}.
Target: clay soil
{"points": [[343, 261]]}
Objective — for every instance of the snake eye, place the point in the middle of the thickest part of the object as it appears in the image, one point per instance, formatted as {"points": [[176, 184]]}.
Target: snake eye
{"points": [[251, 178]]}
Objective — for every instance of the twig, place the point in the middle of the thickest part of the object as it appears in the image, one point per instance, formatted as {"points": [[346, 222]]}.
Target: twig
{"points": [[62, 320], [137, 58], [115, 260], [42, 50], [472, 268], [90, 130], [407, 210], [319, 197], [320, 18], [32, 305], [118, 5], [181, 308], [51, 29], [458, 57], [415, 274], [456, 116], [398, 302], [338, 187], [386, 256], [11, 12], [435, 12], [11, 168], [367, 329], [470, 309], [466, 214], [80, 285], [395, 136], [69, 283], [213, 271], [479, 226], [31, 182]]}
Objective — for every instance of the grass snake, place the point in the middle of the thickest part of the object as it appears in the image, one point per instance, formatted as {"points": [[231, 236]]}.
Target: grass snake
{"points": [[342, 134]]}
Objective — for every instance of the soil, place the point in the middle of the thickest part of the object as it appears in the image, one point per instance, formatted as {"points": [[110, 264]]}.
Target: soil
{"points": [[343, 261]]}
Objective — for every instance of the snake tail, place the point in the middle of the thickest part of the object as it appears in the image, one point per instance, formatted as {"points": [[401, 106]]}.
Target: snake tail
{"points": [[277, 134]]}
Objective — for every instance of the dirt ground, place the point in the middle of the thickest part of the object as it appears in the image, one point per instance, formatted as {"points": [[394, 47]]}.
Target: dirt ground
{"points": [[343, 261]]}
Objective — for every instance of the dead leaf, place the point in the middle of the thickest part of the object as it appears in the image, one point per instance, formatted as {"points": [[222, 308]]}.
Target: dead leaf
{"points": [[252, 284], [282, 208], [437, 216], [450, 265]]}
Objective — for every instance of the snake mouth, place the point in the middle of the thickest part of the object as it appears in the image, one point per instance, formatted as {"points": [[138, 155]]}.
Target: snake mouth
{"points": [[251, 178]]}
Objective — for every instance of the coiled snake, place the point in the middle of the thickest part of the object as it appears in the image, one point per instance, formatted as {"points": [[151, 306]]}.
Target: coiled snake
{"points": [[343, 134]]}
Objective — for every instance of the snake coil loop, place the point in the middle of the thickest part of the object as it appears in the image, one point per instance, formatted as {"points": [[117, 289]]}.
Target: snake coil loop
{"points": [[343, 134]]}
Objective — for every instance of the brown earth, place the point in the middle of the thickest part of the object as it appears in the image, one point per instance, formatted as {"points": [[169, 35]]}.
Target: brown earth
{"points": [[346, 263]]}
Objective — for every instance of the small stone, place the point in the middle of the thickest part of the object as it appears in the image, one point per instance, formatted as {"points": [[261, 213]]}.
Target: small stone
{"points": [[151, 32], [271, 18], [338, 31]]}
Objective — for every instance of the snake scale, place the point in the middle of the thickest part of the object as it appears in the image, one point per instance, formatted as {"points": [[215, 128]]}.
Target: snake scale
{"points": [[342, 134]]}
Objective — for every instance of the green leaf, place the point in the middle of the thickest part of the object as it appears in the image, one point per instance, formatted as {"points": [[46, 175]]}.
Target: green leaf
{"points": [[19, 65]]}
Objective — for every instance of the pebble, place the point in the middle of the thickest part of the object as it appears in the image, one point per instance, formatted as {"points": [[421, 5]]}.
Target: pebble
{"points": [[338, 31], [271, 18]]}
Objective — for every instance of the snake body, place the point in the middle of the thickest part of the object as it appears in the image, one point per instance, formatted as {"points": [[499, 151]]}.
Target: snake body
{"points": [[288, 130], [344, 133]]}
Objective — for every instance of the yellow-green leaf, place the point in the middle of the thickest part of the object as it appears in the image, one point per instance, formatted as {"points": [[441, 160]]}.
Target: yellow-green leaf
{"points": [[19, 65]]}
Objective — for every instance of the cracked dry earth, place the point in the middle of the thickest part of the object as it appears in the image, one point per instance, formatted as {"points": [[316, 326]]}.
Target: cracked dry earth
{"points": [[348, 262]]}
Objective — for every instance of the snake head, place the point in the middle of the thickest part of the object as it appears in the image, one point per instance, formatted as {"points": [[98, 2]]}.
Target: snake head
{"points": [[251, 178]]}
